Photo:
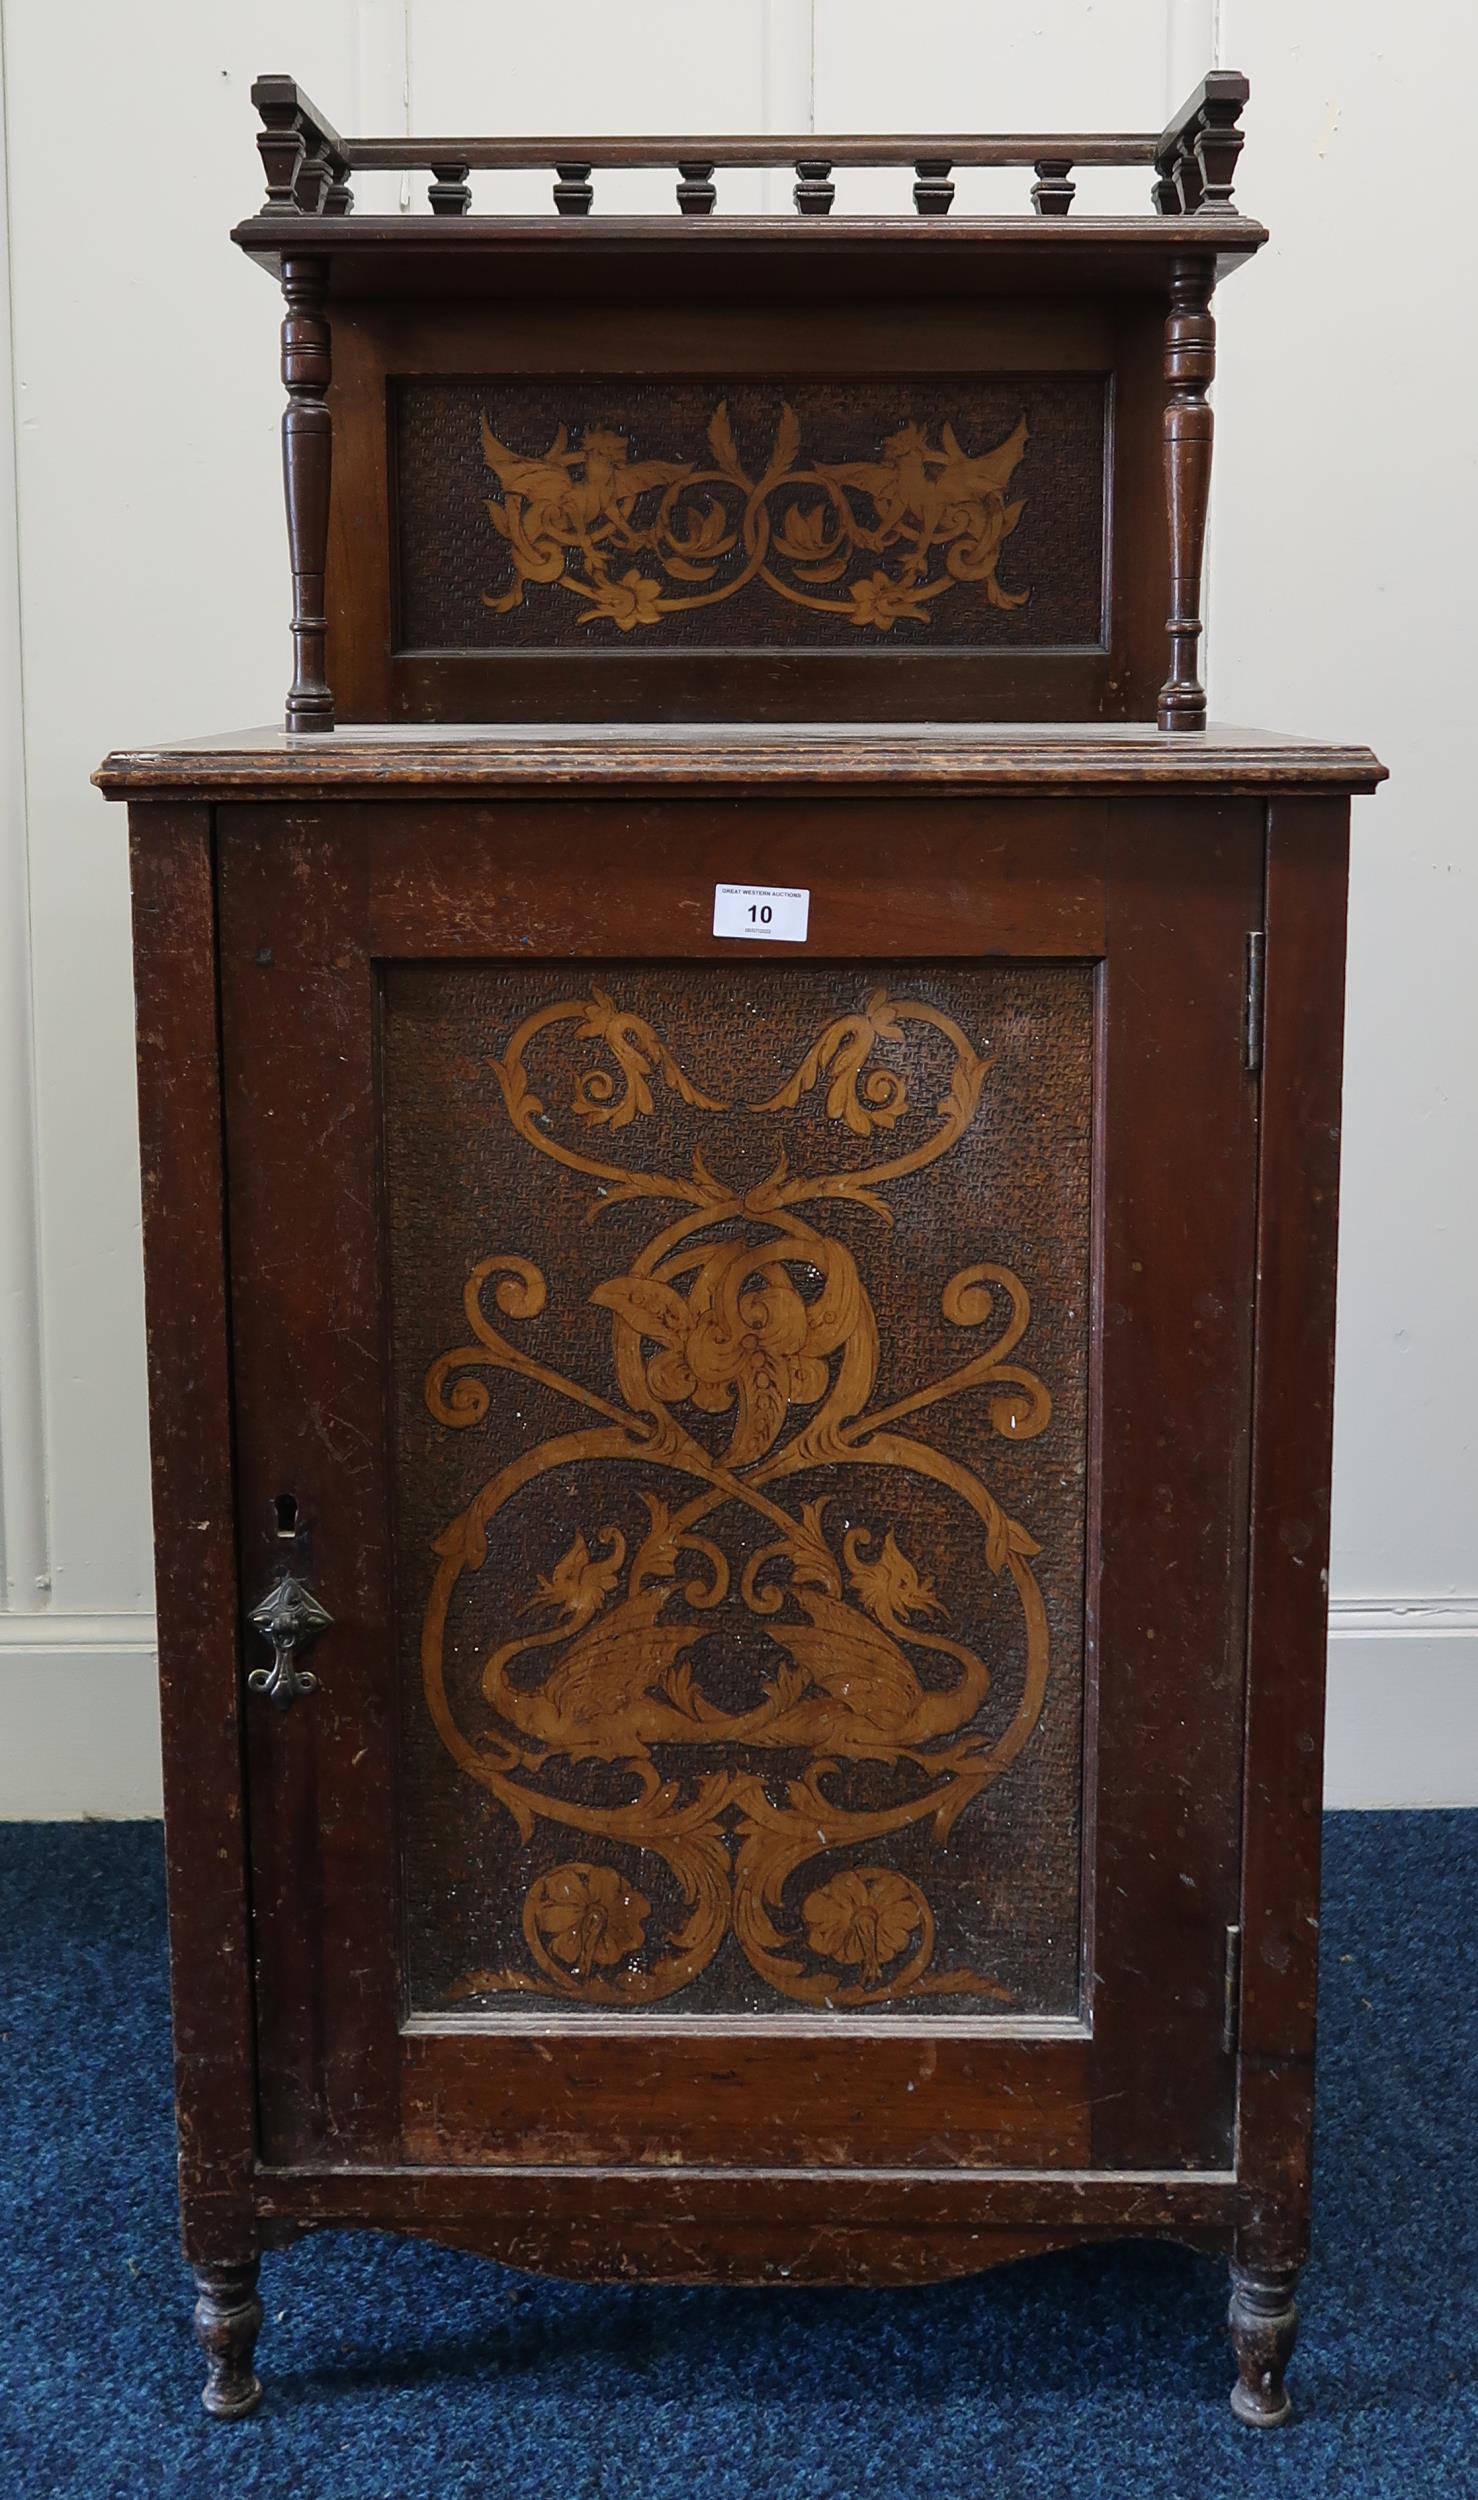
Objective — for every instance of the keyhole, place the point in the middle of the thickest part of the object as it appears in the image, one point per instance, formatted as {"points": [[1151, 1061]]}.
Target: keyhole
{"points": [[286, 1507]]}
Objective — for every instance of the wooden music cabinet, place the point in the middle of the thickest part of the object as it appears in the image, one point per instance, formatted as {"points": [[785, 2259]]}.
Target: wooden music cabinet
{"points": [[742, 1516]]}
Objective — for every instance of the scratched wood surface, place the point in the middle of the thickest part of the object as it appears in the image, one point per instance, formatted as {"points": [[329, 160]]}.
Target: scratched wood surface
{"points": [[322, 2081], [809, 1763], [491, 1778]]}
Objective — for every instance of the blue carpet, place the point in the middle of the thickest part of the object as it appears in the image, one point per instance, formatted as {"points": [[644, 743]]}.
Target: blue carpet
{"points": [[396, 2371]]}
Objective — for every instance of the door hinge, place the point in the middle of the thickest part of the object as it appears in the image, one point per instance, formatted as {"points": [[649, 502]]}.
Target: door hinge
{"points": [[1252, 1005], [1231, 1991]]}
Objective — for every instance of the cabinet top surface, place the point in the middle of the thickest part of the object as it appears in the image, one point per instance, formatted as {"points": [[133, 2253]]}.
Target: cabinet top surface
{"points": [[454, 760]]}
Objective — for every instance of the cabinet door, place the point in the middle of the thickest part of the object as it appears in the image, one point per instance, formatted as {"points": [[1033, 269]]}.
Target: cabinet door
{"points": [[768, 1423]]}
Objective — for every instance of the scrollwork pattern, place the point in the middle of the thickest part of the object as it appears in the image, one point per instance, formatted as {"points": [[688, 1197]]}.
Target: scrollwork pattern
{"points": [[744, 1354], [927, 517]]}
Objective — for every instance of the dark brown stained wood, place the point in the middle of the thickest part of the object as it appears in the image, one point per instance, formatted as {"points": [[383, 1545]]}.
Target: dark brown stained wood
{"points": [[228, 2318], [693, 2226], [307, 449], [774, 2096], [194, 1500], [1193, 156], [477, 882], [1012, 255], [803, 544], [767, 148], [449, 193], [303, 157], [602, 2249], [796, 2198], [297, 1038], [696, 196], [305, 899], [1190, 368], [783, 1486], [1297, 1235], [933, 192], [789, 2146], [1174, 1327], [1263, 2321], [745, 2253], [412, 635], [448, 762], [574, 193], [1197, 153], [1052, 192]]}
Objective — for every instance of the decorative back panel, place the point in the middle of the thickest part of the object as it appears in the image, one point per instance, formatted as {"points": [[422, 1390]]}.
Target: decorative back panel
{"points": [[764, 527], [576, 515], [739, 1331]]}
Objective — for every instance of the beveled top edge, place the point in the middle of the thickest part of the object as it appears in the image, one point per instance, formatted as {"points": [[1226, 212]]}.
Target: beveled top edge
{"points": [[1062, 234], [372, 760]]}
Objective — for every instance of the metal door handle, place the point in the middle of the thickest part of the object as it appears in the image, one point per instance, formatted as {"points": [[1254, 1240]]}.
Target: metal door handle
{"points": [[291, 1618]]}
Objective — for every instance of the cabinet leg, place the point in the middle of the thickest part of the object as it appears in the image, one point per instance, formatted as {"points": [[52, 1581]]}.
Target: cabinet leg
{"points": [[228, 2316], [1264, 2324]]}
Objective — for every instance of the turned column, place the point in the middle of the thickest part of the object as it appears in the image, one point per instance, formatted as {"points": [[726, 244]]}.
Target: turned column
{"points": [[228, 2318], [1190, 364], [307, 446], [1264, 2327]]}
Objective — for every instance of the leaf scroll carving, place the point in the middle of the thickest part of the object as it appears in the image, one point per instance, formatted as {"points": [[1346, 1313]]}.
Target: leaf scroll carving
{"points": [[873, 542], [745, 1355]]}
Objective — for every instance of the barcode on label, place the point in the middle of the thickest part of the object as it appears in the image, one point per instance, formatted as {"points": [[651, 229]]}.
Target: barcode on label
{"points": [[762, 911]]}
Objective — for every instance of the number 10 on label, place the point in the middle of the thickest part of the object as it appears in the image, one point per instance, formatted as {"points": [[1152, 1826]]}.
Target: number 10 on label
{"points": [[762, 911]]}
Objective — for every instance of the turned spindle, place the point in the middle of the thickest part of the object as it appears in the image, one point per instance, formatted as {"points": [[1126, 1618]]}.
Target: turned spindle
{"points": [[228, 2318], [695, 192], [1052, 192], [448, 191], [573, 192], [1263, 2320], [933, 191], [307, 449], [1190, 365]]}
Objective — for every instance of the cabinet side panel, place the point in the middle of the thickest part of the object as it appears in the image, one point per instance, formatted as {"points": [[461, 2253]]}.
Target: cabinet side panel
{"points": [[1292, 1441], [194, 1537]]}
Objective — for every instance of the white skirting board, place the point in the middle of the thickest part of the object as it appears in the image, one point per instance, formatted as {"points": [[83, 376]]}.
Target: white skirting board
{"points": [[79, 1716], [1403, 1702]]}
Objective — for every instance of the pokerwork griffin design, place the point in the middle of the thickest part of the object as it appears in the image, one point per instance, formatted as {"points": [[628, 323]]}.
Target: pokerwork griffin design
{"points": [[744, 1355], [638, 540]]}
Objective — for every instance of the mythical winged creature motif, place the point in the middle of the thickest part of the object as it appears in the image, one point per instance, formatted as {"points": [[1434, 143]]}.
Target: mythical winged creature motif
{"points": [[638, 540], [745, 1355]]}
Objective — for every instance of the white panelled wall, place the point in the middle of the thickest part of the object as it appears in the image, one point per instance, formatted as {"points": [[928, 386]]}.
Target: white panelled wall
{"points": [[143, 596]]}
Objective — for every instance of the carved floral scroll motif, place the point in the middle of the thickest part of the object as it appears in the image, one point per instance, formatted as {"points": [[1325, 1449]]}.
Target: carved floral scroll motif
{"points": [[870, 541], [744, 1356]]}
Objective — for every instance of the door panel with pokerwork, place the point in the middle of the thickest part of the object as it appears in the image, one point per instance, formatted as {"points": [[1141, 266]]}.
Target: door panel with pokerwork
{"points": [[739, 1325], [768, 1426]]}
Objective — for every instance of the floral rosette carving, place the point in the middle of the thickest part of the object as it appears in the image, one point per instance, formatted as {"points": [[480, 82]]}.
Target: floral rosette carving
{"points": [[867, 1917], [744, 1353], [583, 1918]]}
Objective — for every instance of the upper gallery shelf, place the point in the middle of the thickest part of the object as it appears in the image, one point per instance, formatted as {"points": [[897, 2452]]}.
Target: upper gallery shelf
{"points": [[309, 165], [822, 466]]}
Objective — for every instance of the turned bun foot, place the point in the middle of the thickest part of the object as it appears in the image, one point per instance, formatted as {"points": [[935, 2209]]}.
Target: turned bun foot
{"points": [[1264, 2325], [228, 2317]]}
